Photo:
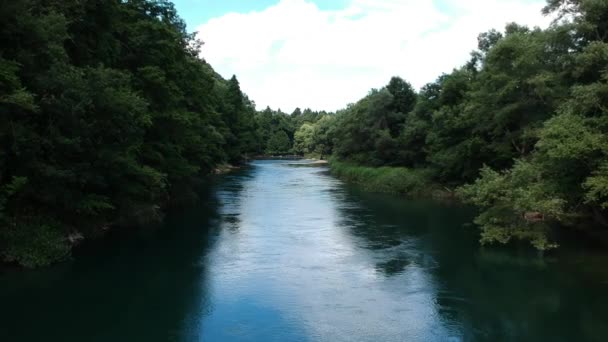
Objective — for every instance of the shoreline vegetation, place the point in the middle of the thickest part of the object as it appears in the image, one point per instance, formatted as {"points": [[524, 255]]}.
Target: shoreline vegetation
{"points": [[278, 157], [413, 183], [418, 184], [110, 116], [520, 130]]}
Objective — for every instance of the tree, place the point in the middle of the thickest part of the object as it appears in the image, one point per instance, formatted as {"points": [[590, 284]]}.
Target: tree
{"points": [[523, 122], [303, 141], [109, 116], [279, 143], [404, 96]]}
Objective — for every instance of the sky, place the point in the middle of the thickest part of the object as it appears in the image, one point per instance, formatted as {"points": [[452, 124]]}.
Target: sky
{"points": [[324, 55]]}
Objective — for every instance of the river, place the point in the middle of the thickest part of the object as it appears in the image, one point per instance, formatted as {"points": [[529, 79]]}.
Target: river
{"points": [[282, 251]]}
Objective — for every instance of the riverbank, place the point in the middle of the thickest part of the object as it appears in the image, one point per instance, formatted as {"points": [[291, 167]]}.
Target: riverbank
{"points": [[225, 168], [277, 157], [49, 247], [388, 179], [418, 184]]}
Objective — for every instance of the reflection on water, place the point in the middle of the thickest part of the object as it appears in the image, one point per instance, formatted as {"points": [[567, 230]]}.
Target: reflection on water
{"points": [[139, 286], [281, 251]]}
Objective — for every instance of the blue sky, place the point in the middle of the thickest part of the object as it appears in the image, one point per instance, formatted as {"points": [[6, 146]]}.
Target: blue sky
{"points": [[326, 54], [198, 12]]}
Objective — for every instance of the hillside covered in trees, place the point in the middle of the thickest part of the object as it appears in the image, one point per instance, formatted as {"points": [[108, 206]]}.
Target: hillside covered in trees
{"points": [[108, 115], [521, 130]]}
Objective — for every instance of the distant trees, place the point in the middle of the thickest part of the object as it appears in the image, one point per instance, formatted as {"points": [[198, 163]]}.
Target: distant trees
{"points": [[303, 139], [276, 131], [316, 139], [279, 143], [280, 133]]}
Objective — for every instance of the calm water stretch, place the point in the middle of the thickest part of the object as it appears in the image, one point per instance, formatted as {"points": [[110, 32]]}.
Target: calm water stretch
{"points": [[282, 251]]}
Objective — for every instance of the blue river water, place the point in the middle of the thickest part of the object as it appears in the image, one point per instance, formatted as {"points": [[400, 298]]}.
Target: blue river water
{"points": [[282, 251]]}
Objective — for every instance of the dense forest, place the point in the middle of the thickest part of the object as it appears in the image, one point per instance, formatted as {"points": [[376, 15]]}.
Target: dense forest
{"points": [[278, 133], [109, 115], [520, 130]]}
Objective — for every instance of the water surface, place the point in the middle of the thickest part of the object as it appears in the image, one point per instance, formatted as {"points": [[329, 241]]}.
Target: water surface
{"points": [[281, 251]]}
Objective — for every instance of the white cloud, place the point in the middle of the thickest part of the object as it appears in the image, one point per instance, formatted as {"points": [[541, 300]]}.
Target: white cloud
{"points": [[293, 54]]}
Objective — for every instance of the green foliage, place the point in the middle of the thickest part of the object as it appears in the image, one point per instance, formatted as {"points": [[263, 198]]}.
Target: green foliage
{"points": [[596, 187], [570, 137], [399, 180], [7, 191], [272, 129], [279, 133], [278, 143], [35, 244], [516, 203], [303, 139], [322, 142], [563, 174], [524, 122], [108, 115], [367, 132], [316, 139]]}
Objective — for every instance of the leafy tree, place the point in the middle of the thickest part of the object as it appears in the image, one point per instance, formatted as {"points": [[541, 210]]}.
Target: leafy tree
{"points": [[279, 143], [303, 141], [109, 115], [563, 179], [524, 122], [323, 133]]}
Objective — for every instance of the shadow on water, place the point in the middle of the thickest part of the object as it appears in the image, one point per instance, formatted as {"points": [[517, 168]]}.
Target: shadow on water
{"points": [[487, 293], [138, 285], [405, 232]]}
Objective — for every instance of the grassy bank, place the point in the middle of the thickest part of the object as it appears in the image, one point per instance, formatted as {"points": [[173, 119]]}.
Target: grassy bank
{"points": [[397, 180]]}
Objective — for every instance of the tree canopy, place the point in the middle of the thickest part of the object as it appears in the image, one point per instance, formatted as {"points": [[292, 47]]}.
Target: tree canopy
{"points": [[521, 127], [108, 114]]}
